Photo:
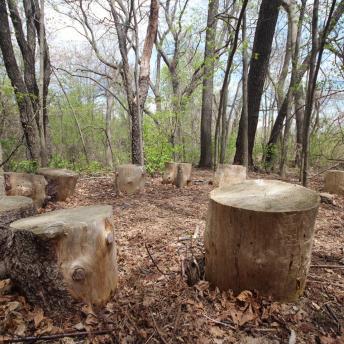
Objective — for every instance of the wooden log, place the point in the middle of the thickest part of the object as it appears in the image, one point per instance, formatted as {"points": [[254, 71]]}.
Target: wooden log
{"points": [[61, 182], [170, 172], [259, 236], [226, 175], [334, 182], [62, 257], [28, 185], [129, 179], [183, 177], [15, 207]]}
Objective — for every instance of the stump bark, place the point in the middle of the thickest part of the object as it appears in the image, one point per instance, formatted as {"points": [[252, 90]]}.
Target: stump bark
{"points": [[229, 174], [259, 236], [61, 182], [15, 207], [62, 257], [130, 179], [170, 172], [28, 185], [183, 177], [334, 182], [2, 180]]}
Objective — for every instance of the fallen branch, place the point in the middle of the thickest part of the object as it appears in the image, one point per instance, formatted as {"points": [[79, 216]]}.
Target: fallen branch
{"points": [[156, 265], [220, 322], [55, 336], [328, 266]]}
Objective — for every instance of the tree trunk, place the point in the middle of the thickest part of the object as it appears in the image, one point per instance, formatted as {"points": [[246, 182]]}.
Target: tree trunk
{"points": [[26, 110], [108, 117], [299, 102], [259, 236], [265, 30], [62, 257], [206, 159]]}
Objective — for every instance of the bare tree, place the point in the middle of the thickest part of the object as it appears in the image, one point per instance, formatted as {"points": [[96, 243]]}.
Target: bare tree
{"points": [[29, 99], [206, 159], [265, 29]]}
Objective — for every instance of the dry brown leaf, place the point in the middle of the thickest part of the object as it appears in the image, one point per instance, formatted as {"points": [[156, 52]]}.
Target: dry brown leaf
{"points": [[5, 286], [38, 316]]}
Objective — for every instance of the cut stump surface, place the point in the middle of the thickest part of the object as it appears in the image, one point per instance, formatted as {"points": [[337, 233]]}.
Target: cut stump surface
{"points": [[259, 236], [63, 256]]}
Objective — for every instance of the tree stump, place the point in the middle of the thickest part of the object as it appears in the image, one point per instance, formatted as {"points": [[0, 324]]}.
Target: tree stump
{"points": [[229, 174], [334, 182], [259, 236], [61, 182], [183, 177], [170, 173], [25, 184], [130, 178], [15, 207], [62, 257]]}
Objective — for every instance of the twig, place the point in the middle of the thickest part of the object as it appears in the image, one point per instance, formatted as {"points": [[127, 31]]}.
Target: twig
{"points": [[157, 329], [55, 336], [321, 172], [329, 309], [328, 266], [156, 265], [150, 337], [221, 323]]}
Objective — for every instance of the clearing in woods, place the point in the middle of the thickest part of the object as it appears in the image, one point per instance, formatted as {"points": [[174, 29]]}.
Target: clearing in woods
{"points": [[154, 304]]}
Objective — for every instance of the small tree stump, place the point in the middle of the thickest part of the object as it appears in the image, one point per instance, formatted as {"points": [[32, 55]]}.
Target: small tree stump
{"points": [[62, 256], [334, 182], [259, 236], [130, 178], [183, 177], [226, 175], [25, 184], [61, 182], [170, 173], [15, 207]]}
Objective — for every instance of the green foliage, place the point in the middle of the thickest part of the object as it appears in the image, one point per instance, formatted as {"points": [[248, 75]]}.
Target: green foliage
{"points": [[158, 149], [27, 166], [58, 162]]}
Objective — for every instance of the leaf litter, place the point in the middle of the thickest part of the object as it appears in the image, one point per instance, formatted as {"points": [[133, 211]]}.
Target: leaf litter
{"points": [[157, 233]]}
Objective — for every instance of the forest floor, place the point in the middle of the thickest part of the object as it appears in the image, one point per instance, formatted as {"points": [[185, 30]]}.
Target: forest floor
{"points": [[155, 231]]}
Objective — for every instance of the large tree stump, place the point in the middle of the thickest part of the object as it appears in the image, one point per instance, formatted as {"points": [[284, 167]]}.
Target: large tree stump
{"points": [[259, 236], [334, 182], [170, 173], [25, 184], [130, 178], [62, 257], [226, 175], [15, 207], [61, 182], [183, 177]]}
